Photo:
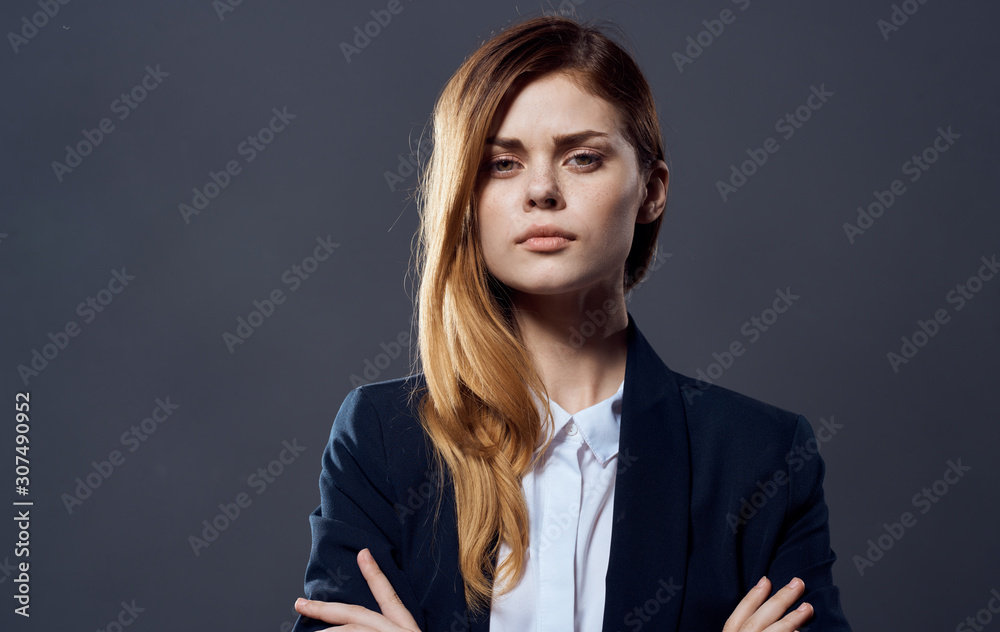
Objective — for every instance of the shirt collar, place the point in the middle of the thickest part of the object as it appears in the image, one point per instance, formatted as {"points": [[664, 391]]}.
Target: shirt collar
{"points": [[599, 425]]}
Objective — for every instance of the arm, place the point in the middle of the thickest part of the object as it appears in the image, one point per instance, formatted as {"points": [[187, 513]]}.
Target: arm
{"points": [[804, 544], [355, 512]]}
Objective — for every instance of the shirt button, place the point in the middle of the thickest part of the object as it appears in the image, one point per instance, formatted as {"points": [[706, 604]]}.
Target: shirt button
{"points": [[571, 429]]}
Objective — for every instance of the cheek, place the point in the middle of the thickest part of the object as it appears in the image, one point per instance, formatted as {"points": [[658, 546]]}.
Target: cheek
{"points": [[616, 216], [494, 208], [492, 225]]}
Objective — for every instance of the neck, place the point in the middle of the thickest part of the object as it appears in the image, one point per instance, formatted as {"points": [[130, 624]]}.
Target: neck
{"points": [[578, 344]]}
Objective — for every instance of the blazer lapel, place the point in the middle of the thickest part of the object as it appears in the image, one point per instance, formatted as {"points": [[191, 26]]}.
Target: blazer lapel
{"points": [[649, 537]]}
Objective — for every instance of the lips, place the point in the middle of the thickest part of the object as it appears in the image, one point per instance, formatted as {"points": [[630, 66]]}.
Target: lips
{"points": [[544, 230], [545, 238]]}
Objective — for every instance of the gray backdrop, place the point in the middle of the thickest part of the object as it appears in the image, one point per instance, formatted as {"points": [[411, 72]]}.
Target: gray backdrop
{"points": [[154, 412]]}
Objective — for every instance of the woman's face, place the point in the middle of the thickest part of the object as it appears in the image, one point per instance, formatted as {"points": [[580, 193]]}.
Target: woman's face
{"points": [[557, 162]]}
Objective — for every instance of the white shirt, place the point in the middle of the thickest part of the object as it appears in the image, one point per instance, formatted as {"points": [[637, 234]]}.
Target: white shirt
{"points": [[570, 497]]}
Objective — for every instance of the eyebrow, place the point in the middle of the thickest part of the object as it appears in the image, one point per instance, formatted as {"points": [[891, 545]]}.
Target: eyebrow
{"points": [[561, 140]]}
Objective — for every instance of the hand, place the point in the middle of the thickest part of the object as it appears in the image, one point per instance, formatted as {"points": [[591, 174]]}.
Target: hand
{"points": [[394, 618], [751, 616]]}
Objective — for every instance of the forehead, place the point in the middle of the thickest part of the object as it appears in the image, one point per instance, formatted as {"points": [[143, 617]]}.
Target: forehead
{"points": [[552, 104]]}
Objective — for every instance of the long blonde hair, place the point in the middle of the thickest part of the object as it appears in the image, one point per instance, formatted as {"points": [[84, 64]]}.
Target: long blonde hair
{"points": [[477, 409]]}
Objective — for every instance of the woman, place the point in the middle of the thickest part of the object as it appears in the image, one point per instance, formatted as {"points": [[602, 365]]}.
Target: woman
{"points": [[546, 470]]}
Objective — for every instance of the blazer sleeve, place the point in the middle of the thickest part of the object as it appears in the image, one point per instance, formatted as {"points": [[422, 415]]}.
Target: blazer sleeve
{"points": [[356, 511], [803, 548]]}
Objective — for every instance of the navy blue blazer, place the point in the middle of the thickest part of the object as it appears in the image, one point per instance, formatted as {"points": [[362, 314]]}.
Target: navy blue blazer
{"points": [[713, 490]]}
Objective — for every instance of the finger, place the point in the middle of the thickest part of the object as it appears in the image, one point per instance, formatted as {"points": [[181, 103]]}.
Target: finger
{"points": [[388, 601], [748, 605], [340, 613], [774, 608], [793, 620]]}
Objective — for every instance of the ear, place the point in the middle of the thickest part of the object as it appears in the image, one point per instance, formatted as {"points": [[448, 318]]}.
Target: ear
{"points": [[656, 193]]}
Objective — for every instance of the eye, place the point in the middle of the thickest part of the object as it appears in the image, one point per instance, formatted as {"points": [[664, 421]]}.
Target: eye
{"points": [[590, 158], [501, 165], [504, 164]]}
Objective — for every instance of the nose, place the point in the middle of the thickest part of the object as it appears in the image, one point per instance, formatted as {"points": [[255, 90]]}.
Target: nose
{"points": [[543, 191]]}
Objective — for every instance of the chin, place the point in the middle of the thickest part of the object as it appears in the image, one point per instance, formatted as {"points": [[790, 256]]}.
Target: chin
{"points": [[546, 287], [546, 279]]}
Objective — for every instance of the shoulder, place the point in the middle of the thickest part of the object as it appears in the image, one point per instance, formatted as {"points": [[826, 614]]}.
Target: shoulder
{"points": [[749, 436], [715, 409], [388, 405], [379, 424], [392, 397], [712, 413]]}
